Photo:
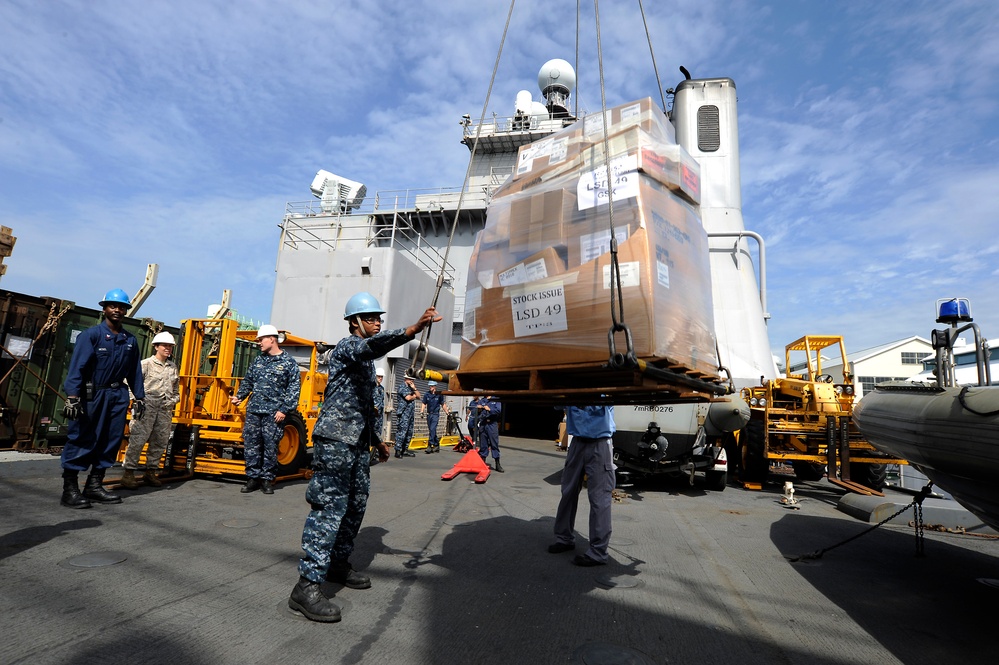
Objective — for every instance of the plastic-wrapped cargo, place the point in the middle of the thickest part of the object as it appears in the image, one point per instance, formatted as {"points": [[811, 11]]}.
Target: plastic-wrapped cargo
{"points": [[538, 291]]}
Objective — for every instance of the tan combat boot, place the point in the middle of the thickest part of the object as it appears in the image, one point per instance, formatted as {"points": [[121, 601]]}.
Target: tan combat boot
{"points": [[150, 478], [128, 480]]}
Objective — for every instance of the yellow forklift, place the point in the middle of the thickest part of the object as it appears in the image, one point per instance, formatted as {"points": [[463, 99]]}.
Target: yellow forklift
{"points": [[207, 437], [806, 420]]}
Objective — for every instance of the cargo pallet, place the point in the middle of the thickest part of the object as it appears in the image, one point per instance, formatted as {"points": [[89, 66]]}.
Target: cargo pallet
{"points": [[648, 383]]}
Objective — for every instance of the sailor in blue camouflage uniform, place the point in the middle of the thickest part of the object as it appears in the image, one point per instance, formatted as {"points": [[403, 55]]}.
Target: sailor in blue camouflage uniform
{"points": [[433, 401], [273, 383], [105, 359], [347, 426], [406, 398], [487, 424], [379, 399]]}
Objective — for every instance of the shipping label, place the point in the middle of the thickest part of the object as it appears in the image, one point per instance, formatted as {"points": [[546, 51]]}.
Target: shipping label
{"points": [[630, 274], [597, 244], [524, 272], [538, 310], [594, 189], [663, 264]]}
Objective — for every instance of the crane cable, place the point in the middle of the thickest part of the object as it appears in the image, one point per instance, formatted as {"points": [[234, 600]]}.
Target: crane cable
{"points": [[652, 53], [422, 353], [616, 290]]}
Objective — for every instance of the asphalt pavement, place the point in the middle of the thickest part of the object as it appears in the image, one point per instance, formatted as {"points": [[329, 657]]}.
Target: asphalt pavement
{"points": [[196, 572]]}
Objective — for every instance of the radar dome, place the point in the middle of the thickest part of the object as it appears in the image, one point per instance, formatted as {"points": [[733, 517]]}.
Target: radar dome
{"points": [[557, 73]]}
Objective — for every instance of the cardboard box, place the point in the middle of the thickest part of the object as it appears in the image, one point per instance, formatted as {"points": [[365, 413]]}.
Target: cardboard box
{"points": [[635, 150], [540, 219], [631, 150], [542, 265], [560, 150], [666, 290]]}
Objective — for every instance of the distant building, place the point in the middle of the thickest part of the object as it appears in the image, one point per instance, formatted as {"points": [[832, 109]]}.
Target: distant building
{"points": [[894, 361]]}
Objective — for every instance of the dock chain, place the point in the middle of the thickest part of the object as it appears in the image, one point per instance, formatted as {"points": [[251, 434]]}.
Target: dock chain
{"points": [[916, 505]]}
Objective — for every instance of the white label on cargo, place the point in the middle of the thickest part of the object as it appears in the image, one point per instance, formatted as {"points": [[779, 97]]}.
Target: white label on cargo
{"points": [[629, 112], [539, 309], [662, 272], [593, 123], [559, 150], [468, 327], [592, 188], [514, 275], [473, 298], [596, 244], [524, 272], [630, 275]]}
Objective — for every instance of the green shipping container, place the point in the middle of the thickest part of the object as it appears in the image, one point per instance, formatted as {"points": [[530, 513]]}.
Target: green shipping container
{"points": [[34, 363]]}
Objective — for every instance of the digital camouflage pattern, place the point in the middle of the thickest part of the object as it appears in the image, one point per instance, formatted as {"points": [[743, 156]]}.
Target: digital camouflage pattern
{"points": [[406, 415], [347, 425], [273, 383]]}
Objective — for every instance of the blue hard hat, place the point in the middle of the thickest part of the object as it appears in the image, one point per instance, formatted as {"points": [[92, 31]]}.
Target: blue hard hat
{"points": [[362, 303], [431, 383], [115, 295]]}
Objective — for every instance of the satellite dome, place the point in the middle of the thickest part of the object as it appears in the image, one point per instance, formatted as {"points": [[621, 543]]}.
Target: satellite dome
{"points": [[557, 79], [557, 73]]}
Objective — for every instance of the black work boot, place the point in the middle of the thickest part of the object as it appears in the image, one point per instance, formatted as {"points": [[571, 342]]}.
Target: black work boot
{"points": [[498, 466], [71, 497], [252, 485], [94, 488], [267, 487], [343, 573], [308, 598]]}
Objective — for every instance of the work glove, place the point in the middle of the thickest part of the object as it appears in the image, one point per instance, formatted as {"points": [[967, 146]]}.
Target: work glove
{"points": [[72, 408], [321, 348], [138, 408]]}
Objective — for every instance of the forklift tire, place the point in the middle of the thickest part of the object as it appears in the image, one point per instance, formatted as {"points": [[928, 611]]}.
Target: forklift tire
{"points": [[755, 468], [873, 476], [716, 481], [291, 455]]}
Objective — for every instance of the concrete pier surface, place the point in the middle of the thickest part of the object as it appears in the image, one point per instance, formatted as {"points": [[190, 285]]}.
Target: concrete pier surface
{"points": [[195, 572]]}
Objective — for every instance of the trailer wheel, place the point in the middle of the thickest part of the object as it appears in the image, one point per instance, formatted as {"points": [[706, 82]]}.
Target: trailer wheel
{"points": [[874, 476], [805, 470], [716, 480], [291, 455], [755, 467]]}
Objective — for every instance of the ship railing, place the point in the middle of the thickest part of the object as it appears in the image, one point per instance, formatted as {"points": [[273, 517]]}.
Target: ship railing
{"points": [[393, 200], [337, 229], [513, 124]]}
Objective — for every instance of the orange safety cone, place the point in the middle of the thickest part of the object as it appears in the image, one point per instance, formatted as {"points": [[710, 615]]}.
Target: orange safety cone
{"points": [[470, 463]]}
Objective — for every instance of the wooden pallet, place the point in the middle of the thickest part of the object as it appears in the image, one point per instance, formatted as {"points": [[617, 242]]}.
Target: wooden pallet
{"points": [[595, 383]]}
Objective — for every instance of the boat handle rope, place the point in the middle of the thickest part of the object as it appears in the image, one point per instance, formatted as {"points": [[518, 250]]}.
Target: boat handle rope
{"points": [[960, 398], [916, 505]]}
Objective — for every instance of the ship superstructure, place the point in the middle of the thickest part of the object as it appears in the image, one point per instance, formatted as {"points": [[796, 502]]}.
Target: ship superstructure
{"points": [[393, 243]]}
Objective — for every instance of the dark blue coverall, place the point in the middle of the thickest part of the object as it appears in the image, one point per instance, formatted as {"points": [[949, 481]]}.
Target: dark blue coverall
{"points": [[108, 361]]}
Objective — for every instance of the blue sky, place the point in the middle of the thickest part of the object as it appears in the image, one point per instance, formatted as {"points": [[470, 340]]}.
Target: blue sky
{"points": [[174, 133]]}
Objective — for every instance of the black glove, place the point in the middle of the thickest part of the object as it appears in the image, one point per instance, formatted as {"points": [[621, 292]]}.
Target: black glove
{"points": [[321, 348], [138, 408], [72, 408]]}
